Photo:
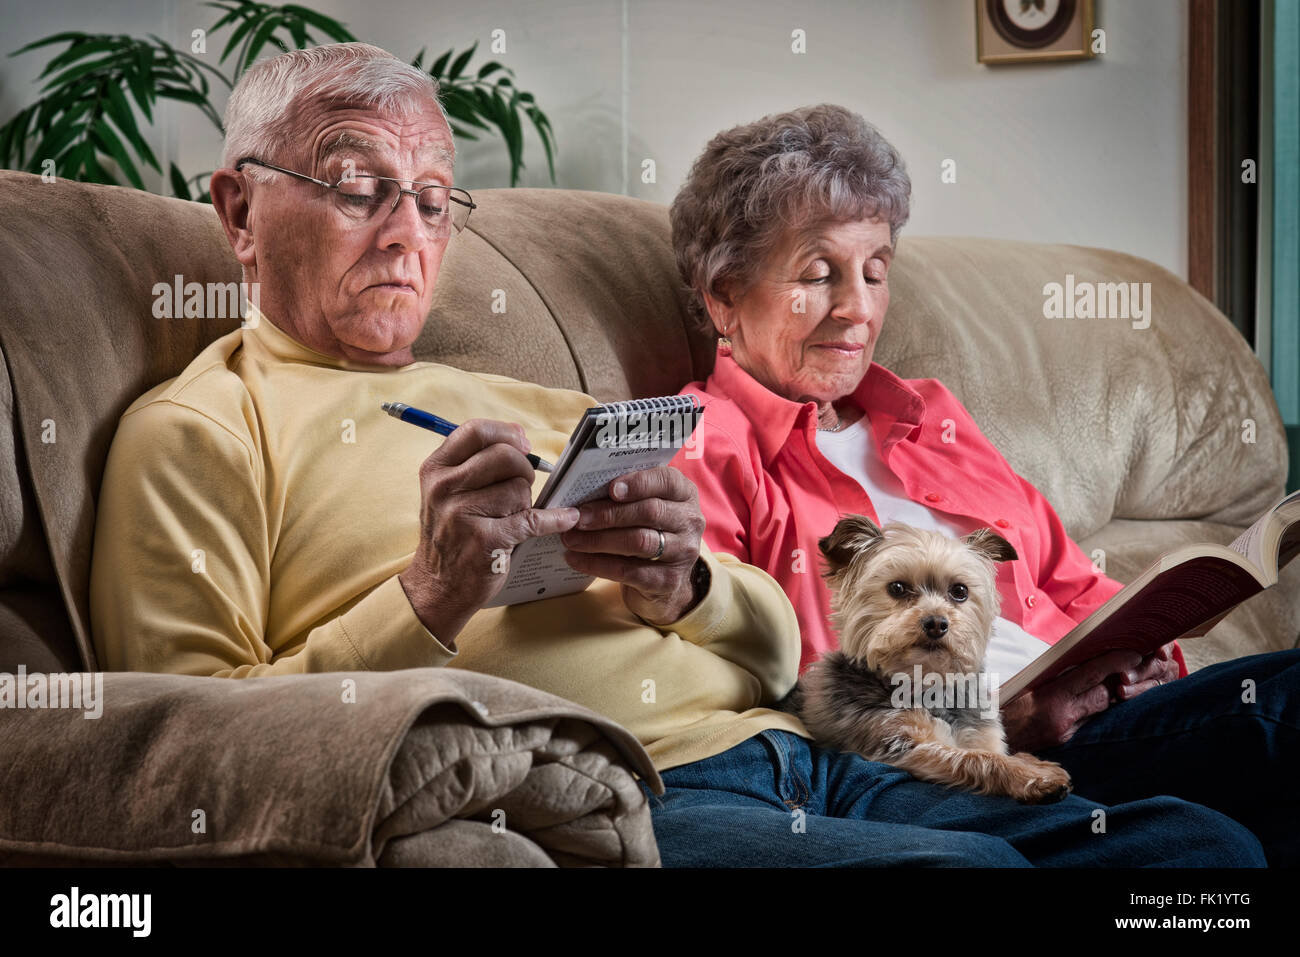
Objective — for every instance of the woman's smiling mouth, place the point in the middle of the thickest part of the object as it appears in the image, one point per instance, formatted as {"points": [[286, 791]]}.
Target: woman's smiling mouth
{"points": [[848, 350]]}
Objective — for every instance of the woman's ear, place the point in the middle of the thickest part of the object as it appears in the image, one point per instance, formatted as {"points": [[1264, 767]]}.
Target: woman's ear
{"points": [[722, 309]]}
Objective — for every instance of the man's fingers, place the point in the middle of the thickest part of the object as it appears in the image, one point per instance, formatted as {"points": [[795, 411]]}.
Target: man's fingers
{"points": [[474, 435], [663, 482], [648, 579], [646, 513], [642, 543], [496, 500], [496, 463], [536, 522]]}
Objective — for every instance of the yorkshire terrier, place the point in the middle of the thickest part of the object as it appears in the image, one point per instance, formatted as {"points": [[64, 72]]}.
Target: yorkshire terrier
{"points": [[913, 607]]}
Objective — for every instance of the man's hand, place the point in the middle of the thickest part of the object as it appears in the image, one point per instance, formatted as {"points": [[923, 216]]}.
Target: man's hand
{"points": [[476, 493], [1051, 714], [617, 537]]}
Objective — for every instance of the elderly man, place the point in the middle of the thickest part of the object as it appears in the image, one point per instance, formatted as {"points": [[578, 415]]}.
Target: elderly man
{"points": [[260, 515]]}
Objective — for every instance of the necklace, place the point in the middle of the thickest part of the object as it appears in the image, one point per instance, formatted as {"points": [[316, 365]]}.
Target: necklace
{"points": [[841, 422]]}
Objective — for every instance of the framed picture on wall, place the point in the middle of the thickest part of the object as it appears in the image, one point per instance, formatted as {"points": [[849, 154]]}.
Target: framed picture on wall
{"points": [[1024, 31]]}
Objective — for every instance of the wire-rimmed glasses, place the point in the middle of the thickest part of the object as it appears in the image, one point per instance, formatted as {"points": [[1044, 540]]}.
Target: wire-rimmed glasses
{"points": [[359, 195]]}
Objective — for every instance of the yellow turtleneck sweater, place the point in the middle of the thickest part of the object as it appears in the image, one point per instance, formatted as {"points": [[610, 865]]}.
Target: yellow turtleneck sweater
{"points": [[257, 509]]}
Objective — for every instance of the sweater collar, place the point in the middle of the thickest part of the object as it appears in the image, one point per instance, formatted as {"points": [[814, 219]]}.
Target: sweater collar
{"points": [[895, 409], [273, 340]]}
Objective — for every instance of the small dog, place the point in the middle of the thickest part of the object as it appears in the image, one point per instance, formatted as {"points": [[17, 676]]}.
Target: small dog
{"points": [[909, 603]]}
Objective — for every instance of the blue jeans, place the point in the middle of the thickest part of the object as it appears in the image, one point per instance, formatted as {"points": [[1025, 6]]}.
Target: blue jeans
{"points": [[1197, 738], [778, 800]]}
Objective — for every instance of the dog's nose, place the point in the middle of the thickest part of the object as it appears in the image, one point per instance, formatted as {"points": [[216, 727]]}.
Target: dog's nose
{"points": [[934, 626]]}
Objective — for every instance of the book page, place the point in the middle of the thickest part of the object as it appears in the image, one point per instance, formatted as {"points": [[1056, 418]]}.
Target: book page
{"points": [[1251, 542]]}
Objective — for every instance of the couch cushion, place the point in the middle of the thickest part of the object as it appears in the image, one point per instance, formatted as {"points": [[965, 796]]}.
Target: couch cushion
{"points": [[1108, 421]]}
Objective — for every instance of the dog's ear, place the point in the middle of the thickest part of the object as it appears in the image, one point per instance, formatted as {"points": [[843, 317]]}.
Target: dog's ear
{"points": [[852, 535], [989, 543]]}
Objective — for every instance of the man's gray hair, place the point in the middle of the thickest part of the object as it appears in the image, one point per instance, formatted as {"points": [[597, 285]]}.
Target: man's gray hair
{"points": [[787, 171], [265, 103]]}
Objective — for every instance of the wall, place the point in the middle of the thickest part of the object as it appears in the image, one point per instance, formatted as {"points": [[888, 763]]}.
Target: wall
{"points": [[1089, 152]]}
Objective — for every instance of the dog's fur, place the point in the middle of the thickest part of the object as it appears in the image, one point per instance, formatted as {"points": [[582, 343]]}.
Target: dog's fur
{"points": [[845, 698]]}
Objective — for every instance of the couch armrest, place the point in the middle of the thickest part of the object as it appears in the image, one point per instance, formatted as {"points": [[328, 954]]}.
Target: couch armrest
{"points": [[337, 768]]}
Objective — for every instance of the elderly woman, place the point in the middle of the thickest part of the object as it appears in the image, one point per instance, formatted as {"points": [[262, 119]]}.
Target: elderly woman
{"points": [[785, 231]]}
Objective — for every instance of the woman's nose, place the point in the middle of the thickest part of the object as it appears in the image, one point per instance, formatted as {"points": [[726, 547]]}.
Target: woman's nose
{"points": [[856, 303]]}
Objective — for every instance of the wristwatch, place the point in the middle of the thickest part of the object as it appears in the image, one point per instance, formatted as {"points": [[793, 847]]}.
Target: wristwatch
{"points": [[701, 578]]}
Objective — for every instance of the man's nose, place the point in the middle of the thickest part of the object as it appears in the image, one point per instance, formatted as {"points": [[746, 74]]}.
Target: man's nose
{"points": [[404, 226]]}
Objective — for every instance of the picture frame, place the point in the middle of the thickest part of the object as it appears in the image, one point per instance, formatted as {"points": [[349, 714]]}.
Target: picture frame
{"points": [[1033, 31]]}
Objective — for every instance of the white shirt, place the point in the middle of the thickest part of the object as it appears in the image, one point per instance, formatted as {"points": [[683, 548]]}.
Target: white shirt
{"points": [[853, 451]]}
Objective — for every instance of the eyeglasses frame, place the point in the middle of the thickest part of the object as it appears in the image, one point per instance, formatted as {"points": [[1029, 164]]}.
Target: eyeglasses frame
{"points": [[401, 190]]}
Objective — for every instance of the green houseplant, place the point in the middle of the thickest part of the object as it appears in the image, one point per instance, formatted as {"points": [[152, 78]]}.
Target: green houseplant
{"points": [[85, 121]]}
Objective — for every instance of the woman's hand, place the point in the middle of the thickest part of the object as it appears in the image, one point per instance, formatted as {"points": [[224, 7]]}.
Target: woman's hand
{"points": [[1050, 715], [1154, 670], [618, 538]]}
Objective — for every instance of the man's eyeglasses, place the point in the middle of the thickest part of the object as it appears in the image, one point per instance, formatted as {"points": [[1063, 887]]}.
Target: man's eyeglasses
{"points": [[359, 195]]}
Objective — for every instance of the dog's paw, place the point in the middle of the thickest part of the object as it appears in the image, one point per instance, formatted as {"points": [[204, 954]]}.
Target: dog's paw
{"points": [[1039, 782]]}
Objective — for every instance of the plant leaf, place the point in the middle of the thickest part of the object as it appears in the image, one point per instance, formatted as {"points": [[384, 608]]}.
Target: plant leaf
{"points": [[240, 31], [102, 135], [119, 111], [67, 36], [462, 106], [81, 69], [80, 50], [440, 64], [179, 186], [260, 37], [326, 25], [460, 62]]}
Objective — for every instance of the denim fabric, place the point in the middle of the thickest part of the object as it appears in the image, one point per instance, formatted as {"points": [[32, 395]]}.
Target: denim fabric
{"points": [[1158, 782], [1197, 738]]}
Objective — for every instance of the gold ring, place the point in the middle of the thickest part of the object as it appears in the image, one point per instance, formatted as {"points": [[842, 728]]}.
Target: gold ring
{"points": [[659, 554]]}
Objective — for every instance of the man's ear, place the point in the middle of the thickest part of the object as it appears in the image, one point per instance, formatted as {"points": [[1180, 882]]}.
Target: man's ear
{"points": [[991, 544], [852, 536], [229, 191]]}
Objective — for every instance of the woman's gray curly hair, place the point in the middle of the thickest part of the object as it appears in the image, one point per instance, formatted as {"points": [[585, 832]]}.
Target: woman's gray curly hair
{"points": [[786, 171]]}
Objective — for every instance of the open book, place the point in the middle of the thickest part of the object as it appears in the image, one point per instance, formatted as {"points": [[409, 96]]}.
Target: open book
{"points": [[609, 441], [1183, 595]]}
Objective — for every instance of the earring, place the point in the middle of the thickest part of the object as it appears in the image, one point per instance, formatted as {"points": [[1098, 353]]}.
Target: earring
{"points": [[725, 340]]}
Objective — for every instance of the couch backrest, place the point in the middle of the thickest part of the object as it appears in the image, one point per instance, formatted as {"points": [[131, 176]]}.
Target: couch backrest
{"points": [[1107, 420]]}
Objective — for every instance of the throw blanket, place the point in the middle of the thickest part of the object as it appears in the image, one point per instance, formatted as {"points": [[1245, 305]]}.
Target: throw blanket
{"points": [[421, 767]]}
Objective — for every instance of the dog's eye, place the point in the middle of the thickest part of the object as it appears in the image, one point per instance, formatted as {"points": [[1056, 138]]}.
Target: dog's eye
{"points": [[896, 589], [957, 591]]}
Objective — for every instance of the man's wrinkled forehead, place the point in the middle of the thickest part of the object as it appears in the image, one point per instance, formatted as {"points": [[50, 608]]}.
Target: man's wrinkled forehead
{"points": [[428, 145]]}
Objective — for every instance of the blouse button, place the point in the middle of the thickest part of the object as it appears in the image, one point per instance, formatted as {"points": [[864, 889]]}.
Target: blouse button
{"points": [[932, 496], [1031, 601], [1002, 523]]}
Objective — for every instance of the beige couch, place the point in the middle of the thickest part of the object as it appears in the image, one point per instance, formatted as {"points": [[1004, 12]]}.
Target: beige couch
{"points": [[1134, 435]]}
